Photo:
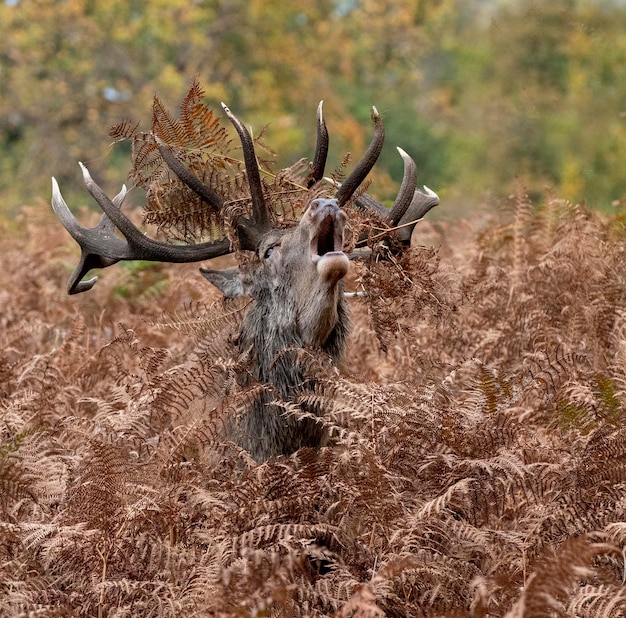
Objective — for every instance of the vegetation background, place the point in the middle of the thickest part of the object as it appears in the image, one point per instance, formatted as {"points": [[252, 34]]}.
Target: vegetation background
{"points": [[479, 92], [479, 467]]}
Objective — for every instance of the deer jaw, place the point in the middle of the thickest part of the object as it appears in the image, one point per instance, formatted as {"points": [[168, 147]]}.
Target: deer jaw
{"points": [[326, 223], [303, 270], [320, 288]]}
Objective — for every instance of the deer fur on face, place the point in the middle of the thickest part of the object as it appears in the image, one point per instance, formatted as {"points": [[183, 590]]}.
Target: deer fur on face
{"points": [[297, 288], [301, 269]]}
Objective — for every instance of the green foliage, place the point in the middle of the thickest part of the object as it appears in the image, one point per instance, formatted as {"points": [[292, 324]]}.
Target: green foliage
{"points": [[142, 281], [476, 92]]}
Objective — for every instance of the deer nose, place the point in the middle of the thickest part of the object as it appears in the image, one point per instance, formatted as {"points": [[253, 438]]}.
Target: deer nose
{"points": [[322, 207]]}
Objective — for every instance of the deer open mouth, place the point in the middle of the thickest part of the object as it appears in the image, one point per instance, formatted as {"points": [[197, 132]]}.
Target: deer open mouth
{"points": [[327, 247], [329, 238]]}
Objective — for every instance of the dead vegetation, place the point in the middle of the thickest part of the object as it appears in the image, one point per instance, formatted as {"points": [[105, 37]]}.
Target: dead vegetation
{"points": [[478, 464]]}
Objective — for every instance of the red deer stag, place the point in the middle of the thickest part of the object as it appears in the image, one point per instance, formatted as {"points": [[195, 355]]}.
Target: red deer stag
{"points": [[295, 278]]}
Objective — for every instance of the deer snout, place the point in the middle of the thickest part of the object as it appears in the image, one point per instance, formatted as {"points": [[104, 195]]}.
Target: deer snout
{"points": [[323, 206], [327, 224]]}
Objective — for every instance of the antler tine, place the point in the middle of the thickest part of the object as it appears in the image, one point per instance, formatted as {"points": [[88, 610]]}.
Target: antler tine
{"points": [[321, 149], [260, 213], [421, 203], [69, 221], [407, 189], [112, 210], [189, 178], [101, 247], [360, 172], [92, 241]]}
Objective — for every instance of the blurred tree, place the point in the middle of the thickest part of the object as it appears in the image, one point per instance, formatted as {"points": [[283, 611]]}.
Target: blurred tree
{"points": [[69, 71], [539, 95], [477, 92]]}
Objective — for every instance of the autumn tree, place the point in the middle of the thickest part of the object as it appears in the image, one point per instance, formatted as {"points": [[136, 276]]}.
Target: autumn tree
{"points": [[478, 93]]}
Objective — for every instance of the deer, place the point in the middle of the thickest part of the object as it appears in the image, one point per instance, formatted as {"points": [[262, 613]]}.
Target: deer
{"points": [[295, 279]]}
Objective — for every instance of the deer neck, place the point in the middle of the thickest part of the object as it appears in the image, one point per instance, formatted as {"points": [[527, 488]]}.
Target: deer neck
{"points": [[272, 332]]}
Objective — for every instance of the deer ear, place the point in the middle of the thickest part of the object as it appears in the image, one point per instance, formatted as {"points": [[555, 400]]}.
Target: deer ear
{"points": [[228, 281]]}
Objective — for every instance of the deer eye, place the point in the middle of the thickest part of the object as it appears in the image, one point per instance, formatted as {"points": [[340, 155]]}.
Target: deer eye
{"points": [[270, 250]]}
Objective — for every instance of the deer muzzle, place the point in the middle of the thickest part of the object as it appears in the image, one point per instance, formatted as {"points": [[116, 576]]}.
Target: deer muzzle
{"points": [[327, 225]]}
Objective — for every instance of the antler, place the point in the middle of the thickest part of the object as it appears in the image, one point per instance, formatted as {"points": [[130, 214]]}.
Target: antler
{"points": [[411, 203], [321, 150], [249, 232], [410, 206], [363, 168], [102, 247]]}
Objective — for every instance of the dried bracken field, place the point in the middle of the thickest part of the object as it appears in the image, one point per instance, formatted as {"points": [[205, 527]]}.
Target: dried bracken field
{"points": [[478, 461]]}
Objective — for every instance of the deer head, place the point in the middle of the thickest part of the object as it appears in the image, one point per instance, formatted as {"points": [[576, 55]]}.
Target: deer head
{"points": [[295, 278]]}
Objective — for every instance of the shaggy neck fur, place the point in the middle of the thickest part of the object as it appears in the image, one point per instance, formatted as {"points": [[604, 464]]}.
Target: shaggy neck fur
{"points": [[272, 333]]}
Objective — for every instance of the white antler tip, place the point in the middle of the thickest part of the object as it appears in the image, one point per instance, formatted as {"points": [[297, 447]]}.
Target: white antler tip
{"points": [[57, 198], [430, 192], [85, 171]]}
